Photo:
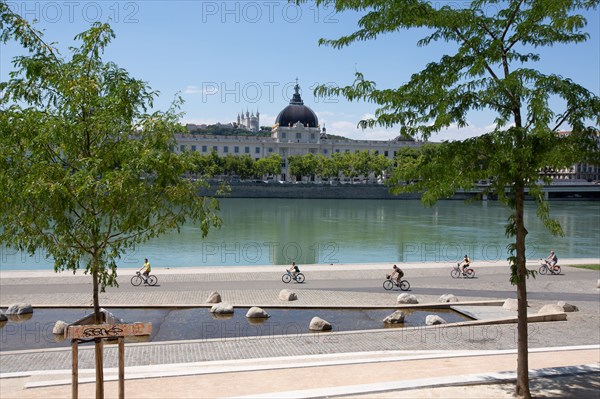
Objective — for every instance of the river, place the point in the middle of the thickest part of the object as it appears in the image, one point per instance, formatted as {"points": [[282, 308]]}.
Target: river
{"points": [[279, 231]]}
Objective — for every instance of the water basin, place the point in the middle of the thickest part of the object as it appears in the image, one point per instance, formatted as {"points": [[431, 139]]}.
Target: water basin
{"points": [[171, 324]]}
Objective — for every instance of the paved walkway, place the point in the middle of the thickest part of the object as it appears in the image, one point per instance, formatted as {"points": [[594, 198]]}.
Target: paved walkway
{"points": [[337, 364]]}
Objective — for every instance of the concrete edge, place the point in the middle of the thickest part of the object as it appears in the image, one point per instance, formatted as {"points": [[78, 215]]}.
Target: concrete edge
{"points": [[303, 361], [460, 380], [287, 305]]}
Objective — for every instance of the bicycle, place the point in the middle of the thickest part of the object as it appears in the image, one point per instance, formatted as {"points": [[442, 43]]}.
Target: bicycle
{"points": [[139, 278], [546, 267], [456, 272], [390, 283], [298, 277]]}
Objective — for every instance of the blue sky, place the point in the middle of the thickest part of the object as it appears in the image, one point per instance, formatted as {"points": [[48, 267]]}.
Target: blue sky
{"points": [[227, 56]]}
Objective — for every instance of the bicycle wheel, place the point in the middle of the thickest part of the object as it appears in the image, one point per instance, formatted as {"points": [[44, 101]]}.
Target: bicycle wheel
{"points": [[286, 278], [404, 285], [388, 285], [556, 269], [136, 280], [470, 273], [455, 273], [300, 278], [543, 270], [152, 280]]}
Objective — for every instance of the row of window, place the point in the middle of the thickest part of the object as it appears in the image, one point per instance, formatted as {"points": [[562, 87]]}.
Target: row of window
{"points": [[236, 149], [257, 150]]}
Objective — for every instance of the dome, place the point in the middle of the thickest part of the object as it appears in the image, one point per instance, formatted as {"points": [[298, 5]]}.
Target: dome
{"points": [[297, 112]]}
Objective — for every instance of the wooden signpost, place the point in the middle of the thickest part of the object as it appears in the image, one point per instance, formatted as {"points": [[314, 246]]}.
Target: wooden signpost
{"points": [[100, 332]]}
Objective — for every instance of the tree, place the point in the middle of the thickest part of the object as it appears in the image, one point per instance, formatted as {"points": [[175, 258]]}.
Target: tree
{"points": [[270, 165], [490, 69], [86, 174]]}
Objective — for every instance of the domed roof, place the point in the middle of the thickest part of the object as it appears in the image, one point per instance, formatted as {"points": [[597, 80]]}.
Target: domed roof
{"points": [[297, 112]]}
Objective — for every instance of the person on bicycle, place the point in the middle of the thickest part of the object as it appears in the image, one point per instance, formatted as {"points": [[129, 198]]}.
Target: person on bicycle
{"points": [[146, 270], [552, 259], [294, 269], [397, 273], [466, 262]]}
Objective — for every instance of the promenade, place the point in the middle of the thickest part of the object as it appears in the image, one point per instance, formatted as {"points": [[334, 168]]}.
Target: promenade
{"points": [[470, 360]]}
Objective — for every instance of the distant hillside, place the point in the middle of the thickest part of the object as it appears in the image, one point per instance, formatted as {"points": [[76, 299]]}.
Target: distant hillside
{"points": [[234, 130]]}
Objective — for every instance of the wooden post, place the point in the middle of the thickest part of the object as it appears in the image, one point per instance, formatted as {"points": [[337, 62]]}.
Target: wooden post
{"points": [[121, 368], [99, 332], [74, 369], [99, 348]]}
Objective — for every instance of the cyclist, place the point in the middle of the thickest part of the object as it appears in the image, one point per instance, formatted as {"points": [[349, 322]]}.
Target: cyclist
{"points": [[294, 269], [552, 259], [398, 273], [146, 270], [466, 262]]}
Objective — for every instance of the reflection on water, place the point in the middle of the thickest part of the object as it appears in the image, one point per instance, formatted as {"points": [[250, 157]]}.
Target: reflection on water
{"points": [[279, 231], [200, 323]]}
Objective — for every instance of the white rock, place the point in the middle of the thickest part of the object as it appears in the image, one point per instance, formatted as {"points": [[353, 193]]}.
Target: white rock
{"points": [[256, 312], [59, 327], [318, 324], [448, 298], [567, 307], [511, 304], [407, 298], [395, 318], [19, 308], [433, 319], [287, 295], [551, 308], [213, 297], [222, 308]]}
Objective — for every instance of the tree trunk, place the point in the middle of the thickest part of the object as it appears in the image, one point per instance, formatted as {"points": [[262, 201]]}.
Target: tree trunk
{"points": [[522, 389], [98, 342]]}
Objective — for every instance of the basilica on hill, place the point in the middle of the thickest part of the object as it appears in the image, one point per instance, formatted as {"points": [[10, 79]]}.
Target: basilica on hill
{"points": [[249, 121], [296, 132]]}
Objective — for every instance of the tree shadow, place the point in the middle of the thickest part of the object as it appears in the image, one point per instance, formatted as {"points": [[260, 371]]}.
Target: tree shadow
{"points": [[577, 382]]}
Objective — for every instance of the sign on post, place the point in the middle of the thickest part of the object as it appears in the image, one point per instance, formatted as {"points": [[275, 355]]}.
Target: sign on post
{"points": [[107, 330]]}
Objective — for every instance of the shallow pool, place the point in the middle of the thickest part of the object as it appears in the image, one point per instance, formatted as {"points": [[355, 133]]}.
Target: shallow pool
{"points": [[170, 324]]}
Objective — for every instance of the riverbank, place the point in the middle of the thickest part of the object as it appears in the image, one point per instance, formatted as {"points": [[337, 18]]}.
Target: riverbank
{"points": [[334, 270], [360, 190]]}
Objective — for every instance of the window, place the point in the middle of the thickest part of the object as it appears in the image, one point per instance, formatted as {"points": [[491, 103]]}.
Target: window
{"points": [[182, 148], [257, 150], [337, 150], [270, 149], [215, 148], [324, 150], [204, 148], [298, 136], [385, 154], [283, 135], [247, 150], [225, 149], [312, 136], [236, 149], [193, 148]]}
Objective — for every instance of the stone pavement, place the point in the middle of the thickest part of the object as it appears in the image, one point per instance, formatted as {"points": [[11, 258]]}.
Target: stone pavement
{"points": [[183, 368]]}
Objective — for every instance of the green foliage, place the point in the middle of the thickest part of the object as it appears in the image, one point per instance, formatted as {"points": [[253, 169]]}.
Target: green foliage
{"points": [[270, 165], [488, 71], [227, 130], [86, 174]]}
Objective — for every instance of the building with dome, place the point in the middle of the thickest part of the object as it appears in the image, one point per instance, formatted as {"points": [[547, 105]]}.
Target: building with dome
{"points": [[296, 132]]}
